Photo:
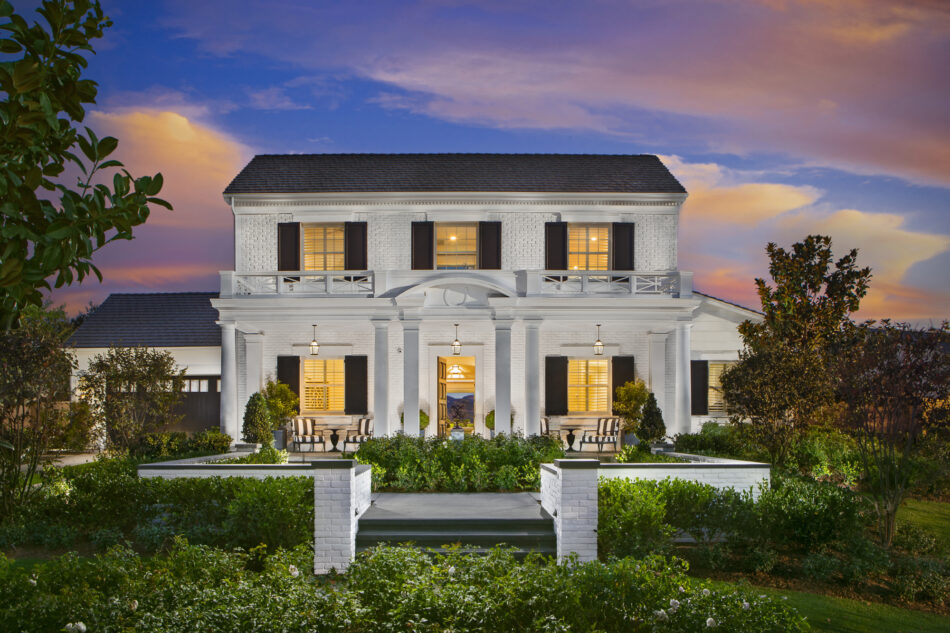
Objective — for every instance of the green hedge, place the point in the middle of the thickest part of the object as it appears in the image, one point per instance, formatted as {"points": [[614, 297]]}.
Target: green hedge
{"points": [[105, 502], [506, 462], [196, 588]]}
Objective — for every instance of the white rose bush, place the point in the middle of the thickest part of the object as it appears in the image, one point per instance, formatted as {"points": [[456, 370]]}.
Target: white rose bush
{"points": [[200, 588]]}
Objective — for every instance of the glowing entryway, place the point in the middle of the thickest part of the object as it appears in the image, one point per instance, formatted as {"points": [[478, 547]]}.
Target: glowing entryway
{"points": [[456, 393]]}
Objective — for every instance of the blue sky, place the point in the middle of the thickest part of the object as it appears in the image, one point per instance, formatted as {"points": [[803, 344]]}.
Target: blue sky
{"points": [[781, 117]]}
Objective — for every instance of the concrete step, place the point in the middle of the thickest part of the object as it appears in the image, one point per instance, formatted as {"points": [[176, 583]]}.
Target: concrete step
{"points": [[475, 535]]}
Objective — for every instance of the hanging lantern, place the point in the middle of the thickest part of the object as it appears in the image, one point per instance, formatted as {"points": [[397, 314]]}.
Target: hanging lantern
{"points": [[598, 344], [456, 372], [314, 346], [456, 344]]}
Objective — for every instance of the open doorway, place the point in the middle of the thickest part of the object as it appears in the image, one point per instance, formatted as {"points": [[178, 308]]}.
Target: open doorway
{"points": [[456, 393]]}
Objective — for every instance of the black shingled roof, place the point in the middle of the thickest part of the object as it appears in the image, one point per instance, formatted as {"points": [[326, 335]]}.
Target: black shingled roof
{"points": [[161, 319], [364, 173]]}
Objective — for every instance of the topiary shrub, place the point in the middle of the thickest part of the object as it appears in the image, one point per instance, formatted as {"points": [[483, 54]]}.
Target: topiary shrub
{"points": [[257, 421], [651, 429]]}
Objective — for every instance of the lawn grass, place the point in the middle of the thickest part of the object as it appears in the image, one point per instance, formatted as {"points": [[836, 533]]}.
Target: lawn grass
{"points": [[841, 615], [932, 515]]}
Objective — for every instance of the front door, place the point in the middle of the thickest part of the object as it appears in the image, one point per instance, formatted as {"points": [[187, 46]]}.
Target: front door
{"points": [[456, 393]]}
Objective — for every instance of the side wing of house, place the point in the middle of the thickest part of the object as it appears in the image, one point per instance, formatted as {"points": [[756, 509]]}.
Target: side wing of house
{"points": [[180, 323]]}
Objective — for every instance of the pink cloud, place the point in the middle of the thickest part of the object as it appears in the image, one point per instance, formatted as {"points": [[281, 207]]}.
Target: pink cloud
{"points": [[857, 84], [174, 250]]}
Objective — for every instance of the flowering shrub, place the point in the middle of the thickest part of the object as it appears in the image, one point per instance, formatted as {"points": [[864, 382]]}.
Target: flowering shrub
{"points": [[506, 462], [195, 588]]}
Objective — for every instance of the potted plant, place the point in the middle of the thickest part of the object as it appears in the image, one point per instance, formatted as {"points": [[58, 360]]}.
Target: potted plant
{"points": [[423, 422], [490, 422], [629, 399], [282, 405]]}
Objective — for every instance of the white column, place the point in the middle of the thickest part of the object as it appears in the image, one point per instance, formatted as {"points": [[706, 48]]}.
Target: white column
{"points": [[532, 377], [658, 373], [682, 407], [381, 417], [410, 377], [254, 352], [503, 377], [229, 412]]}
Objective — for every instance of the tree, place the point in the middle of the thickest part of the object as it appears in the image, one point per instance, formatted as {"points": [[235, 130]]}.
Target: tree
{"points": [[782, 381], [629, 399], [45, 238], [132, 391], [652, 428], [34, 379], [891, 378]]}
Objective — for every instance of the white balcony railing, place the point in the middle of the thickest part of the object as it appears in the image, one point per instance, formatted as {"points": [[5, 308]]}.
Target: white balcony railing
{"points": [[587, 282], [302, 283]]}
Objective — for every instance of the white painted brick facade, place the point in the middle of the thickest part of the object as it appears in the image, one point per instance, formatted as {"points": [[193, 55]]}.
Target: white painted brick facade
{"points": [[389, 234], [569, 495], [567, 324]]}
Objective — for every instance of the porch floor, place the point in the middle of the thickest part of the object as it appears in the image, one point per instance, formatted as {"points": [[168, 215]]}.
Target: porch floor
{"points": [[463, 505]]}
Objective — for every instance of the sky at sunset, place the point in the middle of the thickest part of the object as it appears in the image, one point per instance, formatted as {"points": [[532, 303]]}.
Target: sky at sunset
{"points": [[780, 117]]}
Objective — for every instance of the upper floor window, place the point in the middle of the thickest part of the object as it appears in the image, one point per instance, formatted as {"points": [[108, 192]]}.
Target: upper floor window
{"points": [[323, 247], [456, 246], [323, 385], [588, 246], [588, 386]]}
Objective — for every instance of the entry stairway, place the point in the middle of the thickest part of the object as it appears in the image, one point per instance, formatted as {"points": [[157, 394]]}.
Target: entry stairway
{"points": [[476, 521]]}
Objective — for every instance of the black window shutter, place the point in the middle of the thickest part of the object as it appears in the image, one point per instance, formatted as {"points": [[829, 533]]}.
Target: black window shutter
{"points": [[354, 383], [623, 246], [555, 245], [423, 247], [489, 245], [354, 246], [555, 385], [623, 370], [699, 394], [288, 372], [288, 246]]}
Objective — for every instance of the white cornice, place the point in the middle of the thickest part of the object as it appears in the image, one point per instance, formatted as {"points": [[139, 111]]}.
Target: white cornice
{"points": [[244, 203]]}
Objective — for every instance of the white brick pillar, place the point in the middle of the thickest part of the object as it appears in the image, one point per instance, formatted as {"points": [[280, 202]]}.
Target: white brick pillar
{"points": [[229, 411], [254, 353], [335, 520], [381, 416], [503, 377], [657, 341], [575, 522], [532, 377], [410, 377], [682, 407]]}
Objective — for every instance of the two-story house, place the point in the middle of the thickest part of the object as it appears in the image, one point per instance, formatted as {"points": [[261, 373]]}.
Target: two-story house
{"points": [[525, 284]]}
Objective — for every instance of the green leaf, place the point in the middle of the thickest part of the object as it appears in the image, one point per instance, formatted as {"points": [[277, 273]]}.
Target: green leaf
{"points": [[107, 145], [10, 46], [161, 203]]}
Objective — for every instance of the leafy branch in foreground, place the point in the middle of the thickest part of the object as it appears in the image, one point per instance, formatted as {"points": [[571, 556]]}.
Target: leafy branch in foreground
{"points": [[49, 230]]}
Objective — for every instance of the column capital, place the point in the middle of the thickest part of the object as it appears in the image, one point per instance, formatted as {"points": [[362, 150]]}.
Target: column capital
{"points": [[502, 324], [532, 323], [410, 324], [381, 322], [226, 324]]}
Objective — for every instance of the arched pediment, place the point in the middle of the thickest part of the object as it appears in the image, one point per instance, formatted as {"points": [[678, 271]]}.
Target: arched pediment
{"points": [[454, 291]]}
